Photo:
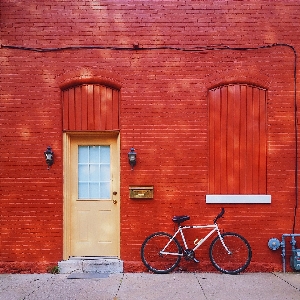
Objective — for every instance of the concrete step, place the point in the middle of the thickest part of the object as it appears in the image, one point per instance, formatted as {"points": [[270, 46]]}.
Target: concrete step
{"points": [[91, 265]]}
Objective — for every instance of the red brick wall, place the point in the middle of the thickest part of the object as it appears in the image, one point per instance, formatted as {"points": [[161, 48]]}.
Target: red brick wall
{"points": [[163, 114]]}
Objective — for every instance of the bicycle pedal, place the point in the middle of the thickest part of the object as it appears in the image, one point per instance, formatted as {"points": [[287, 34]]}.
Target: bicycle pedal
{"points": [[196, 260]]}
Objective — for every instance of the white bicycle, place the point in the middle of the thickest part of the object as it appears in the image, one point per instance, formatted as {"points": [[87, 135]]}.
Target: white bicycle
{"points": [[229, 252]]}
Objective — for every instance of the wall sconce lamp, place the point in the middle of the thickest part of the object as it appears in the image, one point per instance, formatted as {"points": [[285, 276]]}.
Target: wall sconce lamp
{"points": [[132, 158], [49, 157]]}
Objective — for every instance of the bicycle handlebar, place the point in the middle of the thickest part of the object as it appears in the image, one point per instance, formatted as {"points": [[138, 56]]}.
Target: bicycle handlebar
{"points": [[220, 215]]}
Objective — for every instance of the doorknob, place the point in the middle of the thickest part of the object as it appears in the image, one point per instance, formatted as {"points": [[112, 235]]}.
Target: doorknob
{"points": [[115, 201]]}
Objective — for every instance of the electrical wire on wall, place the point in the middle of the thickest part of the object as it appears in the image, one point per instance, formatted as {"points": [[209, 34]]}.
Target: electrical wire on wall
{"points": [[199, 49]]}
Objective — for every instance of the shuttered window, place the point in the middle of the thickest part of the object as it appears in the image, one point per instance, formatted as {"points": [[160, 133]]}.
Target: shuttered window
{"points": [[237, 140], [90, 107]]}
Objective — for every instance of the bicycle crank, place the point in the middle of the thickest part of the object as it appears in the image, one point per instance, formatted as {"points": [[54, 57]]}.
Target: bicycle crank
{"points": [[189, 254]]}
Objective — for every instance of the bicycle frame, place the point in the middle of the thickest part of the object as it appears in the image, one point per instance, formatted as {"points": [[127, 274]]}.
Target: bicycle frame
{"points": [[214, 228]]}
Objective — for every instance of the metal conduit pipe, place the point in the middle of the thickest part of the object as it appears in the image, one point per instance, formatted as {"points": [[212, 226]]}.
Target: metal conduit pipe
{"points": [[293, 243], [274, 244]]}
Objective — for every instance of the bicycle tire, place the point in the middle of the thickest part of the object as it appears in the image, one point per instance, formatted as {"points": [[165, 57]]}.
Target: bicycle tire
{"points": [[233, 263], [156, 262]]}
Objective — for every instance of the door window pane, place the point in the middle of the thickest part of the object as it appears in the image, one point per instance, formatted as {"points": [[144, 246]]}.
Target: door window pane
{"points": [[94, 191], [83, 190], [105, 172], [94, 172], [83, 155], [94, 154], [83, 172], [104, 190], [105, 154]]}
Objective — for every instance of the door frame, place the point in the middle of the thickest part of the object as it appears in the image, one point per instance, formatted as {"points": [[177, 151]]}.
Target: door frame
{"points": [[68, 168]]}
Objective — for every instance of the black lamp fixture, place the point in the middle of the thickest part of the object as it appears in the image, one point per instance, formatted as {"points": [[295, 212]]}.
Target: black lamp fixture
{"points": [[49, 157], [132, 158]]}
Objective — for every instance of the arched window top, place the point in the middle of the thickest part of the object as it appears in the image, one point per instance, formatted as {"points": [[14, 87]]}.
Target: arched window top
{"points": [[73, 82], [237, 85], [80, 76]]}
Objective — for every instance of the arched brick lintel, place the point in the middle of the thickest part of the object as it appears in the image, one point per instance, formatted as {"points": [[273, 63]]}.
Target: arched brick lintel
{"points": [[88, 76]]}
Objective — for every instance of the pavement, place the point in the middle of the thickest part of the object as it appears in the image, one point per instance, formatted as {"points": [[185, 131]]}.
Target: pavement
{"points": [[142, 286]]}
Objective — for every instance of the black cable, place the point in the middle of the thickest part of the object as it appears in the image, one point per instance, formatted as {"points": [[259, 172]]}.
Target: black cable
{"points": [[136, 47], [296, 134]]}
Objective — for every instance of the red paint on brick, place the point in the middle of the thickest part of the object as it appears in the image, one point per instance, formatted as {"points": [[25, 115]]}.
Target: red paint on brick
{"points": [[163, 114]]}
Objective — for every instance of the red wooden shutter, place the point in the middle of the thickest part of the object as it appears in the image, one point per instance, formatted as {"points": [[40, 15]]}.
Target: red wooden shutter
{"points": [[237, 140], [90, 107]]}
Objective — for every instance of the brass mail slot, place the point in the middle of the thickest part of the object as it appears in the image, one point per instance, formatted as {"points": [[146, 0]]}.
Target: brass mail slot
{"points": [[141, 192]]}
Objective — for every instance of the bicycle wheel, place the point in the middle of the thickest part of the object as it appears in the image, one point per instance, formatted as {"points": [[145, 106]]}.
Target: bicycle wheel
{"points": [[154, 260], [239, 257]]}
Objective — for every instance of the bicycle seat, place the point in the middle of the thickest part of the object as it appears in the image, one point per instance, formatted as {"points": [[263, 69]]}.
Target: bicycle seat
{"points": [[180, 219]]}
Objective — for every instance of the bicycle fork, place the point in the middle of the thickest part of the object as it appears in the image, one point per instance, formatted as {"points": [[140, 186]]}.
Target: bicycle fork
{"points": [[222, 241]]}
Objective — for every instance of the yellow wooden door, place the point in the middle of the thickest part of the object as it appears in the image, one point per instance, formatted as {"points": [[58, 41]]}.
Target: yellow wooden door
{"points": [[94, 225]]}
